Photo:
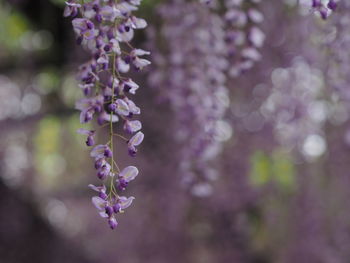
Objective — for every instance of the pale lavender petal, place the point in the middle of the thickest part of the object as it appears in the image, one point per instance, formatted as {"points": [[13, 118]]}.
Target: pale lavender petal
{"points": [[131, 85], [126, 8], [98, 151], [107, 117], [132, 126], [138, 23], [141, 63], [125, 202], [115, 46], [103, 214], [126, 36], [122, 65], [139, 52], [122, 107], [82, 104], [132, 106], [97, 188], [85, 131], [109, 13], [136, 139], [129, 173], [99, 203]]}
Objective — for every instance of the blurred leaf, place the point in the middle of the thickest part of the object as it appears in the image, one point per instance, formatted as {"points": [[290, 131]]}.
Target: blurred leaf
{"points": [[278, 168], [283, 171], [12, 27], [260, 169], [49, 163]]}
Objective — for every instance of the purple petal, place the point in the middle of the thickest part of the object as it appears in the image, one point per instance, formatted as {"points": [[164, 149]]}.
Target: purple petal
{"points": [[122, 107], [98, 151], [136, 139], [129, 173], [138, 23], [99, 203], [132, 126], [125, 202], [132, 106], [97, 188], [140, 63], [103, 214], [107, 117], [85, 131], [140, 52]]}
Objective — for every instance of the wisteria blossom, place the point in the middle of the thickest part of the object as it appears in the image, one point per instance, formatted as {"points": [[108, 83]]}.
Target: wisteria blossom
{"points": [[105, 29], [243, 35], [190, 75]]}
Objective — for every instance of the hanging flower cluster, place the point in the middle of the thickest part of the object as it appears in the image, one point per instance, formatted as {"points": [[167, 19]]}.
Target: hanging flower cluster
{"points": [[322, 8], [243, 36], [105, 28], [190, 75]]}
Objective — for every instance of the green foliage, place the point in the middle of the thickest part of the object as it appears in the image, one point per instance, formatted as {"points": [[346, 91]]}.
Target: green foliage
{"points": [[277, 168], [13, 27], [260, 169], [48, 161]]}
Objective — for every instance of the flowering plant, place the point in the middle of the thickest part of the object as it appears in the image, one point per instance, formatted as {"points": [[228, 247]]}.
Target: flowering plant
{"points": [[105, 28]]}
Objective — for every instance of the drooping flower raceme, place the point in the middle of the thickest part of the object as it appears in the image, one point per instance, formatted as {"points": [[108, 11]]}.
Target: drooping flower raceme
{"points": [[105, 29], [190, 75], [243, 36]]}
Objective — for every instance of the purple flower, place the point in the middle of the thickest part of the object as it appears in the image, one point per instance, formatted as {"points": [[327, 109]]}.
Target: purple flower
{"points": [[105, 117], [104, 171], [84, 28], [130, 86], [90, 139], [128, 174], [132, 106], [132, 126], [100, 151], [135, 141], [139, 63], [125, 202], [122, 107], [89, 107], [100, 189], [138, 23], [109, 13], [71, 9], [122, 66], [101, 29], [100, 204]]}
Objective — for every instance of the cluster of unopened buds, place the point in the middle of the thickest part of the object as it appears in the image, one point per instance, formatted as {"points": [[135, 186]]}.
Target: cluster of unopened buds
{"points": [[105, 28], [322, 8]]}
